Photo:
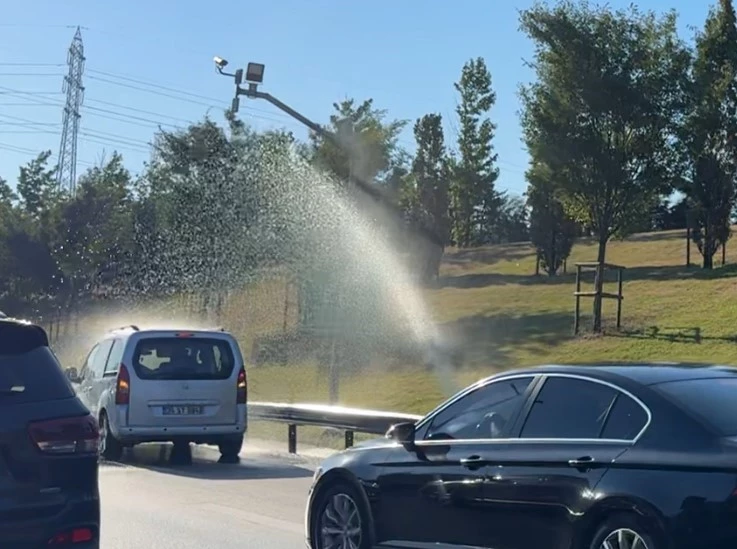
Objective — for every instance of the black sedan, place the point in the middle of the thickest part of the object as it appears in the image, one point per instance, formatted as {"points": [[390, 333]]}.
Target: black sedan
{"points": [[605, 457]]}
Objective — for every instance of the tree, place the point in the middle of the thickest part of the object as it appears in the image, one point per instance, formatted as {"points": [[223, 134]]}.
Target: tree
{"points": [[602, 112], [475, 201], [95, 232], [512, 223], [552, 232], [37, 186], [709, 135], [430, 178], [368, 142]]}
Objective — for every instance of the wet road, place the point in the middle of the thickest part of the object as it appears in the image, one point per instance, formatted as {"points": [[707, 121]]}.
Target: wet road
{"points": [[257, 504]]}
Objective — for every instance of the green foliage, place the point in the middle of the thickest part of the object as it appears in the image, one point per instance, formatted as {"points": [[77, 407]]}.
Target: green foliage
{"points": [[369, 148], [709, 129], [602, 112], [474, 200], [552, 232], [427, 194]]}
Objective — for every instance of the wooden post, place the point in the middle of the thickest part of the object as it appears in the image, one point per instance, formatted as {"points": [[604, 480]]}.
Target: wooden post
{"points": [[577, 313], [724, 253], [537, 265], [565, 266], [619, 300], [688, 246], [598, 300]]}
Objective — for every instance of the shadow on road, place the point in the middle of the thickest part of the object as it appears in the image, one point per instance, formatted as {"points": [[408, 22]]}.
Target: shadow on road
{"points": [[204, 464]]}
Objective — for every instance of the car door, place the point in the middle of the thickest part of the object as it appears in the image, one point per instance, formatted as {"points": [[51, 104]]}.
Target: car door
{"points": [[433, 492], [573, 429], [106, 385], [92, 383], [86, 378]]}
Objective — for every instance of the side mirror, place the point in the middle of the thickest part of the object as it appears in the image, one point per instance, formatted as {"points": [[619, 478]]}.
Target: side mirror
{"points": [[72, 375], [403, 433]]}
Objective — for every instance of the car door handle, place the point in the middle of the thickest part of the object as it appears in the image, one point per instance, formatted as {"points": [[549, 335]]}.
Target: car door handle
{"points": [[473, 462], [581, 461]]}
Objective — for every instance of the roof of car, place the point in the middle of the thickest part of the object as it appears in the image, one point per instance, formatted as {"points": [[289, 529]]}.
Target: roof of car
{"points": [[166, 330], [643, 373]]}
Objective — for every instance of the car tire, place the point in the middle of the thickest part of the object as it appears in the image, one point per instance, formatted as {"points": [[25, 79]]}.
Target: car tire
{"points": [[631, 528], [110, 447], [340, 511], [230, 450]]}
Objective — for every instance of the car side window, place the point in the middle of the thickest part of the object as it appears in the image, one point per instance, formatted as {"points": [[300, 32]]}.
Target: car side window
{"points": [[97, 367], [569, 408], [115, 357], [626, 419], [485, 413], [87, 367]]}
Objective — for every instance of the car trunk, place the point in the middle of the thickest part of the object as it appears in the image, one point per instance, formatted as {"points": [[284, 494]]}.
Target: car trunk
{"points": [[183, 380]]}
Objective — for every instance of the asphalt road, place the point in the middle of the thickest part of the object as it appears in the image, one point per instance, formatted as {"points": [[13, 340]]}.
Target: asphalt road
{"points": [[146, 502]]}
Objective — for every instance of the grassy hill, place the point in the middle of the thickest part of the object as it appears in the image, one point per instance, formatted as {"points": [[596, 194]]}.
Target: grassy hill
{"points": [[502, 316], [494, 310]]}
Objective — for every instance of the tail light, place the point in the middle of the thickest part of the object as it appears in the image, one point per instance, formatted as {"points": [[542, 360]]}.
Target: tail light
{"points": [[70, 537], [123, 386], [241, 386], [69, 435]]}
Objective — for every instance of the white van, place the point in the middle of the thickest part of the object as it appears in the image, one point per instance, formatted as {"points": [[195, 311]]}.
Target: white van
{"points": [[177, 386]]}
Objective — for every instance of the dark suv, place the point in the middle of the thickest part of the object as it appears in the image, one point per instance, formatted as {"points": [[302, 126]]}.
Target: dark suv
{"points": [[49, 494]]}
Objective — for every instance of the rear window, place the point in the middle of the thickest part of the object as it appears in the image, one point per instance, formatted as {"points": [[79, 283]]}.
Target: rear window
{"points": [[32, 376], [183, 358], [714, 400]]}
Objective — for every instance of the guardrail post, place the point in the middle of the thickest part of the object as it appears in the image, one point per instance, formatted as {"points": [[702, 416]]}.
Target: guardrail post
{"points": [[348, 439], [292, 438]]}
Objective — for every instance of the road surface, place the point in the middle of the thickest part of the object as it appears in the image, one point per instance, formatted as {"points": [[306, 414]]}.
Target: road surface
{"points": [[146, 502]]}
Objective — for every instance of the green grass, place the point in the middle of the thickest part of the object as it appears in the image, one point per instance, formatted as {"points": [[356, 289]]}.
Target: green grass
{"points": [[501, 316]]}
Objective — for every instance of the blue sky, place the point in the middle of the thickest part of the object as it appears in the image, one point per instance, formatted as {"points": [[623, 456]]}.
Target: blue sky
{"points": [[405, 54]]}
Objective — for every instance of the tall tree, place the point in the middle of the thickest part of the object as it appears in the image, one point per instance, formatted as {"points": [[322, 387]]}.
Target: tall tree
{"points": [[552, 231], [710, 131], [430, 176], [37, 185], [475, 200], [369, 148], [602, 112]]}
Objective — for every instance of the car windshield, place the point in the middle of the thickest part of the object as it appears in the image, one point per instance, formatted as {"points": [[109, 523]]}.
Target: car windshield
{"points": [[714, 400], [183, 358]]}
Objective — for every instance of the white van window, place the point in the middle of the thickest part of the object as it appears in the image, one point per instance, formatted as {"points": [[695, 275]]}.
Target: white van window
{"points": [[183, 358]]}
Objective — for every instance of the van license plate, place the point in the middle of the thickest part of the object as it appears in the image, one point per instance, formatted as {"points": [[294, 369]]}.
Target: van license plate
{"points": [[182, 410]]}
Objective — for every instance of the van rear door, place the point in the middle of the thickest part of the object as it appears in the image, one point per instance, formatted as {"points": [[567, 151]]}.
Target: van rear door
{"points": [[182, 379]]}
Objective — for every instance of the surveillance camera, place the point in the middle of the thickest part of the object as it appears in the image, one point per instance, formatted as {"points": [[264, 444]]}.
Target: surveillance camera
{"points": [[220, 62]]}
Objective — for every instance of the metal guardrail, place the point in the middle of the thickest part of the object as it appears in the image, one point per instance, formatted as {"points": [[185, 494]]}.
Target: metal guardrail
{"points": [[350, 420]]}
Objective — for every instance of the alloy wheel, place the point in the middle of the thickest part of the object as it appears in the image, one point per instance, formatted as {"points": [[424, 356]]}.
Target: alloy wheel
{"points": [[624, 538], [340, 524]]}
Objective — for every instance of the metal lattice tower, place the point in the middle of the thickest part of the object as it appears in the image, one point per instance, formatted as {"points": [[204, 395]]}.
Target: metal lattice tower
{"points": [[66, 175]]}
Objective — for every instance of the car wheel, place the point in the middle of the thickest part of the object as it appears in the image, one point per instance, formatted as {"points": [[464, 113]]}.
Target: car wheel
{"points": [[229, 450], [340, 520], [624, 532], [110, 447]]}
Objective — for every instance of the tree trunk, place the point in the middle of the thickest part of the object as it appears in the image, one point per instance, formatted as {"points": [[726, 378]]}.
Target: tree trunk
{"points": [[708, 262], [599, 284], [724, 254]]}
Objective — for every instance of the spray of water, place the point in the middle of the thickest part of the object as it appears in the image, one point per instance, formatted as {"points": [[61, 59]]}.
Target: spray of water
{"points": [[340, 247], [352, 240]]}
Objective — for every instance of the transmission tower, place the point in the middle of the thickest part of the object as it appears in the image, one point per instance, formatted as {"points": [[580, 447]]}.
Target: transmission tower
{"points": [[66, 175]]}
